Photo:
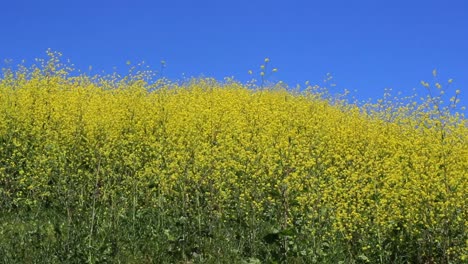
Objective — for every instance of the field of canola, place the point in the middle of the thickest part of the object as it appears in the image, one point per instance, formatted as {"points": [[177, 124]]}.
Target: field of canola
{"points": [[113, 170]]}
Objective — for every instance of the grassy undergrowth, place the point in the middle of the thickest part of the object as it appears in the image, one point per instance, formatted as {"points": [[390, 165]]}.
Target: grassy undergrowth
{"points": [[118, 170]]}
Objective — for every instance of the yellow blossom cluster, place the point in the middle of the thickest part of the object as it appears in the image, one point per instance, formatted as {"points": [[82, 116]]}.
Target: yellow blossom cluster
{"points": [[386, 186]]}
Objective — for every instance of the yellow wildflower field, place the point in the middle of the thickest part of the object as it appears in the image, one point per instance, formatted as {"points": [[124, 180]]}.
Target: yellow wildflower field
{"points": [[98, 170]]}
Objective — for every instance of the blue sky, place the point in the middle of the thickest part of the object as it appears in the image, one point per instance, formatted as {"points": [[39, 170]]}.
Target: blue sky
{"points": [[365, 45]]}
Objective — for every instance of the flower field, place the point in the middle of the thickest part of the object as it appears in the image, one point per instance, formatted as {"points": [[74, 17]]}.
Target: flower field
{"points": [[118, 170]]}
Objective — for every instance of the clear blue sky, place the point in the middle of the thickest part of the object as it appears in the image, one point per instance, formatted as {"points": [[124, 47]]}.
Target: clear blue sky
{"points": [[366, 45]]}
